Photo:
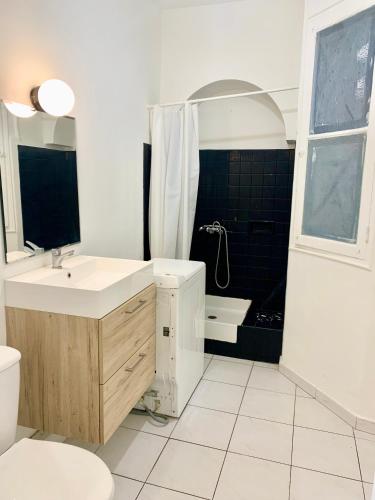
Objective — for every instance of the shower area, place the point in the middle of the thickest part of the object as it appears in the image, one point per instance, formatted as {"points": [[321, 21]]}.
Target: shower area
{"points": [[241, 223], [249, 192]]}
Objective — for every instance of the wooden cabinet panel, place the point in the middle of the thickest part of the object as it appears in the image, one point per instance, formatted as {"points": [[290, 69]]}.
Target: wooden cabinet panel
{"points": [[125, 330], [24, 332], [59, 371], [122, 391], [71, 377], [65, 359]]}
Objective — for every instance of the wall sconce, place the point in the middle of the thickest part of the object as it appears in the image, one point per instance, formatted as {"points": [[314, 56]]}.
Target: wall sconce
{"points": [[55, 97], [20, 110]]}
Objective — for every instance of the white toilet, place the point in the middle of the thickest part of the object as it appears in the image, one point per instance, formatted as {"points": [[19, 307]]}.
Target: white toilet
{"points": [[42, 470]]}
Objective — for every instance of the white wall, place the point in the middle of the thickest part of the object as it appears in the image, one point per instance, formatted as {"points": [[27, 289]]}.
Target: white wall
{"points": [[241, 123], [255, 41], [329, 336], [109, 52]]}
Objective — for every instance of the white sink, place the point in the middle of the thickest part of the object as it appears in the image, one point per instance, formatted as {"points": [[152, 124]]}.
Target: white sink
{"points": [[86, 286]]}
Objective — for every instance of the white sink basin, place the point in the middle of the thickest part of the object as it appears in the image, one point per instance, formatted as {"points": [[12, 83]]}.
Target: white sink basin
{"points": [[86, 286]]}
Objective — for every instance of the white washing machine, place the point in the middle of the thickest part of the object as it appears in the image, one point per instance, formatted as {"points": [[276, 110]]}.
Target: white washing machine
{"points": [[180, 315]]}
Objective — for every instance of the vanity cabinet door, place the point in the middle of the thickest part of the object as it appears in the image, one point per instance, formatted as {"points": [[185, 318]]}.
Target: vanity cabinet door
{"points": [[123, 331], [59, 390], [122, 391], [80, 377]]}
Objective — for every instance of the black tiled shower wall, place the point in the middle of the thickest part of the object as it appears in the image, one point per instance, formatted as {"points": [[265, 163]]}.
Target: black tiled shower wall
{"points": [[249, 192], [146, 199]]}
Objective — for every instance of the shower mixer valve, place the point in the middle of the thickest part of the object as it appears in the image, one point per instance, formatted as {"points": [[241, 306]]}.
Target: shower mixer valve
{"points": [[212, 228]]}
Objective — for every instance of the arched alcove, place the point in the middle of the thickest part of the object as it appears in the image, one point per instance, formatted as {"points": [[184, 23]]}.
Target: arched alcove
{"points": [[241, 123]]}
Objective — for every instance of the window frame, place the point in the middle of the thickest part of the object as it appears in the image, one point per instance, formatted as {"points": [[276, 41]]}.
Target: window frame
{"points": [[358, 252]]}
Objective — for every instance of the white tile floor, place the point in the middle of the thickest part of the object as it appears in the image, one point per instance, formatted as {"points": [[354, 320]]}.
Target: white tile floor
{"points": [[248, 433]]}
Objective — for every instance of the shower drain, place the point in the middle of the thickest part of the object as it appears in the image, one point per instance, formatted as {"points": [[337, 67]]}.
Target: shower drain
{"points": [[212, 317]]}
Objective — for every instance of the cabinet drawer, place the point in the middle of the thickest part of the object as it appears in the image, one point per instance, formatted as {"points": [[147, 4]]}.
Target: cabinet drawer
{"points": [[125, 330], [122, 391]]}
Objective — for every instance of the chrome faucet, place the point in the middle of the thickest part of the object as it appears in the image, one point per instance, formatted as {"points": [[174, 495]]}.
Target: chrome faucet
{"points": [[32, 248], [58, 257]]}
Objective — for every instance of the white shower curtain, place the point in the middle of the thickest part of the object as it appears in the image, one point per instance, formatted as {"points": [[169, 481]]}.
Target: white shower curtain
{"points": [[174, 180]]}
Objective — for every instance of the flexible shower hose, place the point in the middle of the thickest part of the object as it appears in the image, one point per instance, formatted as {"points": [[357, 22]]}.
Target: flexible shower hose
{"points": [[221, 230]]}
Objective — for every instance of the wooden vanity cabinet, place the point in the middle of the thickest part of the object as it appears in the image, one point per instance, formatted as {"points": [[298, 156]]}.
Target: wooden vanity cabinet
{"points": [[80, 377]]}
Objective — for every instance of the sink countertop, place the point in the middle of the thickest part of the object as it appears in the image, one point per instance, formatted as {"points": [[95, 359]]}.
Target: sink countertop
{"points": [[86, 286]]}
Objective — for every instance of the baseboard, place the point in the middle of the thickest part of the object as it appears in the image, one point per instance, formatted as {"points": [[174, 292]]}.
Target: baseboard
{"points": [[355, 421], [365, 425]]}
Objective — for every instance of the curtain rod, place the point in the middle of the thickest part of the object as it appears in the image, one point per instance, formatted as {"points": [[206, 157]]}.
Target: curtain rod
{"points": [[219, 97]]}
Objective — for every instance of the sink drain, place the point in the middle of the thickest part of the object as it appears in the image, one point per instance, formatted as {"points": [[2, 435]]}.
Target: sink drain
{"points": [[212, 317]]}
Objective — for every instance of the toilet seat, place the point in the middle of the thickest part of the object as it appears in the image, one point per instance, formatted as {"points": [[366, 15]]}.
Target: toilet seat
{"points": [[44, 470]]}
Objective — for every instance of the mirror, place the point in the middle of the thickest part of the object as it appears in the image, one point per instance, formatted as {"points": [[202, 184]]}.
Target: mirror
{"points": [[39, 188]]}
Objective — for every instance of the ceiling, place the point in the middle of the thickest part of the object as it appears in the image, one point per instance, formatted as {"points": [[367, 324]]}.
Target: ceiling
{"points": [[174, 4]]}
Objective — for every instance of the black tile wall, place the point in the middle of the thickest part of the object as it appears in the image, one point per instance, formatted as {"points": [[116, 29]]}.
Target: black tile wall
{"points": [[146, 199], [249, 192]]}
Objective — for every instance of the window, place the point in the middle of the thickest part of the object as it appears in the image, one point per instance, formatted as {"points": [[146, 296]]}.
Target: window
{"points": [[343, 74], [334, 206], [333, 188]]}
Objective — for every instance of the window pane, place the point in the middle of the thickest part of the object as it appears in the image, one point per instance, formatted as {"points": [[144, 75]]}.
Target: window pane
{"points": [[343, 74], [333, 188]]}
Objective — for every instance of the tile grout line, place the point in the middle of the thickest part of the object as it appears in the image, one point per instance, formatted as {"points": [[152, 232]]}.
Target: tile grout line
{"points": [[270, 390], [204, 371], [257, 458], [237, 415], [274, 392], [321, 430], [363, 489], [230, 438], [152, 468], [171, 489], [359, 463], [250, 387], [250, 362], [291, 452], [359, 466], [213, 409], [228, 413], [330, 474], [169, 437], [260, 418], [220, 382], [227, 451], [131, 479]]}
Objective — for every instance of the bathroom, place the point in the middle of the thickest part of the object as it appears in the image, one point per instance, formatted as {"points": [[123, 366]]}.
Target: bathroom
{"points": [[280, 405]]}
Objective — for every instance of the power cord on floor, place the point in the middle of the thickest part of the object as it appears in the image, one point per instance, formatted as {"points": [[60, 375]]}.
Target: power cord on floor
{"points": [[161, 419]]}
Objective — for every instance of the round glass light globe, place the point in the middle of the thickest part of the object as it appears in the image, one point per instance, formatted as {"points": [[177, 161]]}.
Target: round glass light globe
{"points": [[19, 110], [56, 97]]}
